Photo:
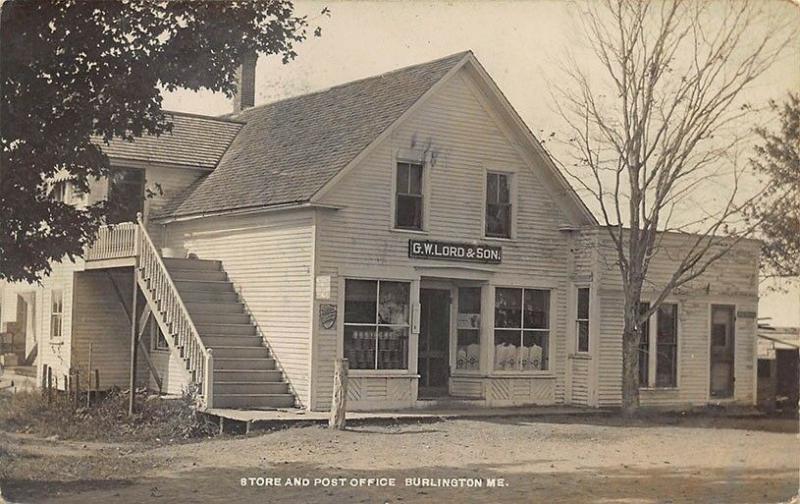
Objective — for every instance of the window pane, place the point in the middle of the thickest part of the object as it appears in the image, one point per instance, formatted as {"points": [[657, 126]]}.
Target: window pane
{"points": [[402, 178], [409, 212], [508, 308], [360, 298], [666, 365], [505, 350], [583, 303], [537, 308], [498, 220], [533, 353], [468, 352], [469, 300], [644, 348], [415, 179], [583, 335], [720, 326], [667, 323], [503, 193], [359, 346], [491, 188], [392, 348], [393, 303]]}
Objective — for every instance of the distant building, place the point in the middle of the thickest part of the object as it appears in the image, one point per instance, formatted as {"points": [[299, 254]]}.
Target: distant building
{"points": [[778, 366]]}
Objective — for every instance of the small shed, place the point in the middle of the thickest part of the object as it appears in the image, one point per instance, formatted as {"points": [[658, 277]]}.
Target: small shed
{"points": [[778, 367]]}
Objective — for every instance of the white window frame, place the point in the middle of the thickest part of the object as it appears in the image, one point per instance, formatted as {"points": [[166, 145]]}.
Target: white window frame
{"points": [[154, 332], [550, 329], [408, 325], [425, 196], [56, 317], [652, 349], [588, 320], [512, 196]]}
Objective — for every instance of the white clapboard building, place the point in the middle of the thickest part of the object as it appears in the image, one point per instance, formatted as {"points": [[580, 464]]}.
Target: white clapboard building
{"points": [[409, 222]]}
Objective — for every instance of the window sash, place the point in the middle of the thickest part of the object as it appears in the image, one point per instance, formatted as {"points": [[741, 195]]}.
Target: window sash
{"points": [[521, 294], [409, 186], [498, 211], [582, 320], [56, 313], [379, 328], [658, 348]]}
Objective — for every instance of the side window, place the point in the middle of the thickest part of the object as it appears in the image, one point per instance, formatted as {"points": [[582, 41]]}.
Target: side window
{"points": [[498, 205], [56, 313], [59, 191], [582, 320], [408, 197]]}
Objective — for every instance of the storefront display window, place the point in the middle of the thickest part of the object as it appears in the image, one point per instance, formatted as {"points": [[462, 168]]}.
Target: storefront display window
{"points": [[376, 324], [522, 329], [468, 348]]}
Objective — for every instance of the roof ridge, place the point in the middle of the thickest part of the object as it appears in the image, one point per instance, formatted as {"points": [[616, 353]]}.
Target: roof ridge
{"points": [[201, 116], [343, 84]]}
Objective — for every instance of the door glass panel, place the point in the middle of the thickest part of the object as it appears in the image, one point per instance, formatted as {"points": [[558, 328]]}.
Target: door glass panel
{"points": [[469, 323]]}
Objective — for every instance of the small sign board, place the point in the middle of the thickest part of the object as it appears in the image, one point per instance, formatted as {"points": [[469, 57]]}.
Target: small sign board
{"points": [[467, 252], [323, 287], [327, 316], [746, 314]]}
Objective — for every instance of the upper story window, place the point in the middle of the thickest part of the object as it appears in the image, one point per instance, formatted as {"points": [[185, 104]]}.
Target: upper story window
{"points": [[582, 320], [56, 313], [125, 195], [59, 191], [498, 205], [408, 197]]}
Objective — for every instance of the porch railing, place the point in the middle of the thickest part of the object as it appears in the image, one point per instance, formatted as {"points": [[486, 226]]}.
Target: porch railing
{"points": [[154, 277], [114, 241]]}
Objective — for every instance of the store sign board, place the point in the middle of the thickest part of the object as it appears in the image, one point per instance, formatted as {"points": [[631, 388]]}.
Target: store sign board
{"points": [[467, 252]]}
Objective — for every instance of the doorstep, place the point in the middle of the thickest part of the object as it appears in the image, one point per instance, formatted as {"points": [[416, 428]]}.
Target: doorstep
{"points": [[246, 421]]}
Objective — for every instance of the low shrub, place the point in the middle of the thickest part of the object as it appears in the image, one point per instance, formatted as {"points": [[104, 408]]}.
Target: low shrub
{"points": [[155, 418]]}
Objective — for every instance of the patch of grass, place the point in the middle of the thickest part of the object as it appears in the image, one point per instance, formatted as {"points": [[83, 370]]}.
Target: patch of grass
{"points": [[155, 418]]}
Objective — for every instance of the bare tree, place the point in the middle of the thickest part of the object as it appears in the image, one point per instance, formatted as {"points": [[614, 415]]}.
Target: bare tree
{"points": [[656, 135]]}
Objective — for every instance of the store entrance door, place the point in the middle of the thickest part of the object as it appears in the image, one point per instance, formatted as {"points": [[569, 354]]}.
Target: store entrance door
{"points": [[433, 362]]}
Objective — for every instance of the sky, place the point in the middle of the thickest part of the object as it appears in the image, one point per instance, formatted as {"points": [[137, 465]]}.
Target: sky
{"points": [[521, 44]]}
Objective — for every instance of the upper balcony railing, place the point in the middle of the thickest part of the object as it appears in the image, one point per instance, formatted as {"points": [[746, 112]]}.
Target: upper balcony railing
{"points": [[114, 241]]}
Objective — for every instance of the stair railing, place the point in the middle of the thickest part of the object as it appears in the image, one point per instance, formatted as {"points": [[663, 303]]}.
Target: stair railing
{"points": [[154, 276]]}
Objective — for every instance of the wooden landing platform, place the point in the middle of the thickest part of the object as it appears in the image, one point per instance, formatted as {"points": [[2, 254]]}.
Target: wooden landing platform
{"points": [[246, 421]]}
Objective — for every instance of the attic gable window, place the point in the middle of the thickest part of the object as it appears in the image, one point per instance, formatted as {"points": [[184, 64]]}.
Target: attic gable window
{"points": [[408, 197], [498, 205]]}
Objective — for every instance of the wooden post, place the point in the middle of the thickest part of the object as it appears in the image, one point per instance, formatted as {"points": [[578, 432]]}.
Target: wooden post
{"points": [[49, 384], [77, 388], [89, 377], [44, 380], [134, 345], [96, 381], [339, 405]]}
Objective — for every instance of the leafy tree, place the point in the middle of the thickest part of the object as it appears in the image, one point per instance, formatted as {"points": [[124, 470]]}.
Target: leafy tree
{"points": [[77, 69], [778, 161], [655, 134]]}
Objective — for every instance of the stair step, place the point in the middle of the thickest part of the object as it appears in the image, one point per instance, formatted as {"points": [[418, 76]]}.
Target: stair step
{"points": [[220, 318], [195, 274], [226, 329], [253, 400], [203, 286], [191, 264], [244, 363], [247, 375], [202, 308], [226, 340], [250, 388], [233, 352], [209, 297]]}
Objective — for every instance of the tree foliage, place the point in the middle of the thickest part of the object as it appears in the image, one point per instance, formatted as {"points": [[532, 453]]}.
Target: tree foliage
{"points": [[77, 70], [655, 134], [778, 214]]}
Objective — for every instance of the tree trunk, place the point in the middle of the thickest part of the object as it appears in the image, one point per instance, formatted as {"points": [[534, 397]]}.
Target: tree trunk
{"points": [[631, 335]]}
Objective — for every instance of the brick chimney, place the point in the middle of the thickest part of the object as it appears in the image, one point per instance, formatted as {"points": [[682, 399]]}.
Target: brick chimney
{"points": [[245, 83]]}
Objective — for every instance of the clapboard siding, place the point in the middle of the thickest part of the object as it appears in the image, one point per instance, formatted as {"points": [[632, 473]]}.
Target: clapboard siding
{"points": [[100, 320], [268, 257], [731, 280], [171, 368], [56, 353], [461, 140], [580, 381]]}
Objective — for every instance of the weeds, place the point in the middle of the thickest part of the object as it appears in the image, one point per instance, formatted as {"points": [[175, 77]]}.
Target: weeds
{"points": [[155, 419]]}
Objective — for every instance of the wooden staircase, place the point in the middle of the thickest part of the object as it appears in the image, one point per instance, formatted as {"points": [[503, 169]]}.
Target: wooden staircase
{"points": [[245, 375]]}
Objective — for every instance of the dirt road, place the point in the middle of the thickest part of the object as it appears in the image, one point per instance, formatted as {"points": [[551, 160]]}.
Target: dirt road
{"points": [[535, 460]]}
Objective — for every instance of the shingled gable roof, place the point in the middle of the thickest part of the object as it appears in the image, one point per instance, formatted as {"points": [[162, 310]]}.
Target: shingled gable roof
{"points": [[289, 149], [195, 141]]}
